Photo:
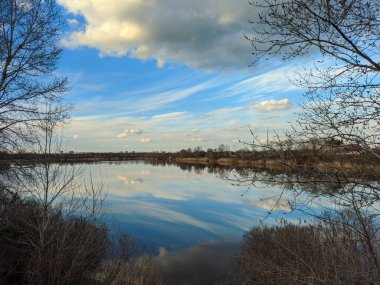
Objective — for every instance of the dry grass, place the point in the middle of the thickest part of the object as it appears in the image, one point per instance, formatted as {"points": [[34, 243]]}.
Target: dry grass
{"points": [[76, 250], [293, 254]]}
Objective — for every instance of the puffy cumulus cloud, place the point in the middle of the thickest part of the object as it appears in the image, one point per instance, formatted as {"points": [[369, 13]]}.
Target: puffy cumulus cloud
{"points": [[125, 133], [145, 140], [133, 132], [273, 105], [200, 33], [122, 135]]}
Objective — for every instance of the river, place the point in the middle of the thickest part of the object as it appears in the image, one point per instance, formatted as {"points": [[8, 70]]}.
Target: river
{"points": [[170, 208]]}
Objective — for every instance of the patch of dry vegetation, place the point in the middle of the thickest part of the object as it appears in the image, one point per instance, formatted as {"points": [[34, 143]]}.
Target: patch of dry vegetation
{"points": [[313, 254], [69, 250]]}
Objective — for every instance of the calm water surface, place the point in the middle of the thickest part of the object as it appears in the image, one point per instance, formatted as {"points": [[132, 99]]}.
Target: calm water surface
{"points": [[169, 208]]}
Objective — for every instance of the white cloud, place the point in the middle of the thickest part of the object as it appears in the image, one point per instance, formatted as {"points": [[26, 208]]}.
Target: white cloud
{"points": [[133, 132], [278, 80], [145, 172], [145, 140], [132, 119], [220, 125], [129, 132], [199, 139], [130, 181], [73, 21], [73, 137], [199, 33], [272, 204], [154, 98], [169, 115], [122, 135], [169, 215], [273, 105]]}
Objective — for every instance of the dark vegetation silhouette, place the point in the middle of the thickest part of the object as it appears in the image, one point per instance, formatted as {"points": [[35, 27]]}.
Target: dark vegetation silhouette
{"points": [[51, 227], [291, 254], [30, 32], [341, 111]]}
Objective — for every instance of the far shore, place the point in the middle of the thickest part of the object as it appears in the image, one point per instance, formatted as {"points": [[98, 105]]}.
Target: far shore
{"points": [[350, 164]]}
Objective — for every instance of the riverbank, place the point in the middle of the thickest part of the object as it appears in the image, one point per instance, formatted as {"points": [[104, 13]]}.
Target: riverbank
{"points": [[340, 167], [351, 165]]}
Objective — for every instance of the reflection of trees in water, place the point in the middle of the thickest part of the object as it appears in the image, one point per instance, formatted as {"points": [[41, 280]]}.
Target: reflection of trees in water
{"points": [[186, 167], [345, 207], [337, 200], [305, 188], [344, 240], [221, 171]]}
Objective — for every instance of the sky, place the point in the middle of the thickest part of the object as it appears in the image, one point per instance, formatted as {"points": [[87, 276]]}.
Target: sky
{"points": [[161, 75]]}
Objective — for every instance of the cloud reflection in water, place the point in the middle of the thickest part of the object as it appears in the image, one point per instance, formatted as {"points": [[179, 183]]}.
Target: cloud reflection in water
{"points": [[165, 206]]}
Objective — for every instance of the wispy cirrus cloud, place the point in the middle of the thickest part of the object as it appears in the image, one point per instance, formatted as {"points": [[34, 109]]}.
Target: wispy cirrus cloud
{"points": [[169, 115], [200, 139], [135, 102], [73, 136], [207, 129], [246, 88]]}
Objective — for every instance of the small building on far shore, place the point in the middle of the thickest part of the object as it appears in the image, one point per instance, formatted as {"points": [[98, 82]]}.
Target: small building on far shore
{"points": [[339, 147]]}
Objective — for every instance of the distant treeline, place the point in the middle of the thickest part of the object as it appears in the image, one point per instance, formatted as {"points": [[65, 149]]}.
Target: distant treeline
{"points": [[69, 157], [302, 153]]}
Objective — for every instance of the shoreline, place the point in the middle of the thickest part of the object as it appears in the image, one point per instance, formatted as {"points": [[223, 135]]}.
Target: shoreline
{"points": [[348, 164]]}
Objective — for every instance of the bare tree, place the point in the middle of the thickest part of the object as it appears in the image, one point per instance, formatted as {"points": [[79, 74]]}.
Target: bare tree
{"points": [[341, 114], [343, 99], [52, 229], [29, 52], [342, 88], [64, 239]]}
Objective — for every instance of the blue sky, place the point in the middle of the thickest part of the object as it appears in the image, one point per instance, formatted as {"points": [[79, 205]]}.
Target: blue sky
{"points": [[157, 75]]}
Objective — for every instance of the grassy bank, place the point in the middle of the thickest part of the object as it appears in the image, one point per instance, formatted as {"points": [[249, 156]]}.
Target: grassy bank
{"points": [[320, 162], [326, 253]]}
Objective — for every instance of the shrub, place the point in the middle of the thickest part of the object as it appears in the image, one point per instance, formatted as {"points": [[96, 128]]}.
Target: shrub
{"points": [[291, 254]]}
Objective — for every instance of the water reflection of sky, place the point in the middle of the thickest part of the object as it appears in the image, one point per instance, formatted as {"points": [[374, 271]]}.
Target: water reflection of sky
{"points": [[164, 206]]}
